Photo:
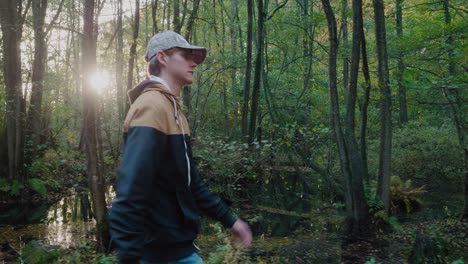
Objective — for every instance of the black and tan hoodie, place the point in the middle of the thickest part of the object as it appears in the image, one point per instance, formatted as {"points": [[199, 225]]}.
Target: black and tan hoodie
{"points": [[156, 214]]}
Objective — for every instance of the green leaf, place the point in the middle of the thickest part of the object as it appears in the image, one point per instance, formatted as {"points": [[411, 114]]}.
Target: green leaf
{"points": [[38, 186]]}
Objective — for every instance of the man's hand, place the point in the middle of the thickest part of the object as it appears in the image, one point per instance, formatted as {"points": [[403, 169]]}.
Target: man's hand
{"points": [[242, 234]]}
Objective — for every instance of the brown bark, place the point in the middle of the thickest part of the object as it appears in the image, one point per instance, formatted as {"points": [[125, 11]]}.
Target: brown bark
{"points": [[383, 187]]}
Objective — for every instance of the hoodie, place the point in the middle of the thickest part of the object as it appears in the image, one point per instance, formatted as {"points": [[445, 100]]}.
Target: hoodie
{"points": [[160, 195]]}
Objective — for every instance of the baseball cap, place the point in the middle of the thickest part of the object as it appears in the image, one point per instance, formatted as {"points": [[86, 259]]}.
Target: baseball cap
{"points": [[170, 39]]}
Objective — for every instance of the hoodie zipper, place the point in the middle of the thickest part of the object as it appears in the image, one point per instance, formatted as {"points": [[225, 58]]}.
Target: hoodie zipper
{"points": [[176, 116]]}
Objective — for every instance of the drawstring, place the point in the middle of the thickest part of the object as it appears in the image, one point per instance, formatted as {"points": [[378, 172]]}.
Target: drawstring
{"points": [[176, 116], [183, 135]]}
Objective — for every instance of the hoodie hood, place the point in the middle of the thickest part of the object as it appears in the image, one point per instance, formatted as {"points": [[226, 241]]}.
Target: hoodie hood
{"points": [[151, 85]]}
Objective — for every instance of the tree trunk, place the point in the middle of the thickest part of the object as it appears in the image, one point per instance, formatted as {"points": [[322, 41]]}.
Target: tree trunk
{"points": [[233, 73], [458, 109], [364, 106], [383, 188], [258, 71], [11, 20], [176, 17], [401, 66], [131, 59], [357, 214], [119, 67], [34, 119], [154, 8], [344, 37], [248, 69], [95, 180]]}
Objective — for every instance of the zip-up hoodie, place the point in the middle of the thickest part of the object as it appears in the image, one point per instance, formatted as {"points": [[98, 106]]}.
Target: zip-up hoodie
{"points": [[155, 216]]}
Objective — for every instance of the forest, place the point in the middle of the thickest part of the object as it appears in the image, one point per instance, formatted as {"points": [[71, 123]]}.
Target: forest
{"points": [[336, 129]]}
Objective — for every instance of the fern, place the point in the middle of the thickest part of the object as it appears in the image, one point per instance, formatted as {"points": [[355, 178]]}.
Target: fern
{"points": [[38, 186]]}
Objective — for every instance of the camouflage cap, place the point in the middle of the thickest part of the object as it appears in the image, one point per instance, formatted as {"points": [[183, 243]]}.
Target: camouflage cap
{"points": [[170, 39]]}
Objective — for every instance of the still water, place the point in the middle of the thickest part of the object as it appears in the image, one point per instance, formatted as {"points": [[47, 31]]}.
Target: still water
{"points": [[65, 223]]}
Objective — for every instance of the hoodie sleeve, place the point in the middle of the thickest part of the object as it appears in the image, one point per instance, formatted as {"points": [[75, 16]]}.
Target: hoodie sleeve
{"points": [[209, 203], [142, 155]]}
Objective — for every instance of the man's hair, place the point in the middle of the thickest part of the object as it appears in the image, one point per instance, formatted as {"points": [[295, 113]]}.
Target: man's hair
{"points": [[154, 67]]}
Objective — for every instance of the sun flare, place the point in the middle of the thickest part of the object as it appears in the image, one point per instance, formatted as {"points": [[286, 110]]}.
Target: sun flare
{"points": [[100, 80]]}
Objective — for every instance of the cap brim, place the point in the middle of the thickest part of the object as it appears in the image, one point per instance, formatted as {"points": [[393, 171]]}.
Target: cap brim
{"points": [[199, 53]]}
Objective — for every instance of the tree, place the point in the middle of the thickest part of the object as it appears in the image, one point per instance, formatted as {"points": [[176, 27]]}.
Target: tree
{"points": [[248, 69], [12, 18], [383, 187], [258, 70], [457, 106], [96, 181], [131, 59], [400, 65], [119, 70], [357, 214], [35, 129]]}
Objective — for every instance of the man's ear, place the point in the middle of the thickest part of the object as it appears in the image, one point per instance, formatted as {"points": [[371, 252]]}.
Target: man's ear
{"points": [[161, 57]]}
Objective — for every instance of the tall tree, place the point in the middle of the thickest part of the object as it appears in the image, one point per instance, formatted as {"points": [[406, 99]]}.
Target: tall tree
{"points": [[357, 214], [176, 17], [344, 39], [383, 188], [248, 69], [154, 9], [400, 65], [364, 105], [34, 118], [457, 106], [119, 67], [131, 59], [258, 70], [12, 17], [89, 134], [35, 129]]}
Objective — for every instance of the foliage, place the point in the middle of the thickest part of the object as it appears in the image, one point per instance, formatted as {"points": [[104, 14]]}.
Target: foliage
{"points": [[427, 152], [227, 252], [85, 253], [36, 252], [12, 188], [38, 186], [404, 197], [372, 261], [445, 238]]}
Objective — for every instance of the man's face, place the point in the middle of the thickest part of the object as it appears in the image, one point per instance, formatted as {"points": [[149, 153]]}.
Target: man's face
{"points": [[181, 65]]}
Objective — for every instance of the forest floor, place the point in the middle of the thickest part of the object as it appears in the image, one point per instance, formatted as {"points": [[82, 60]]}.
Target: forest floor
{"points": [[436, 227]]}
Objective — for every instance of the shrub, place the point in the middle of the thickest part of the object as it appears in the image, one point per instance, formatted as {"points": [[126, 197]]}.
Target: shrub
{"points": [[427, 152]]}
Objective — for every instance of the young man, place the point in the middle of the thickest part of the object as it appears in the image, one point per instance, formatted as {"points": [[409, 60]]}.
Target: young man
{"points": [[155, 216]]}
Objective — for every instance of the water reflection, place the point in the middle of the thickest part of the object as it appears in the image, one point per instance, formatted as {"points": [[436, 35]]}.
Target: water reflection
{"points": [[65, 223]]}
